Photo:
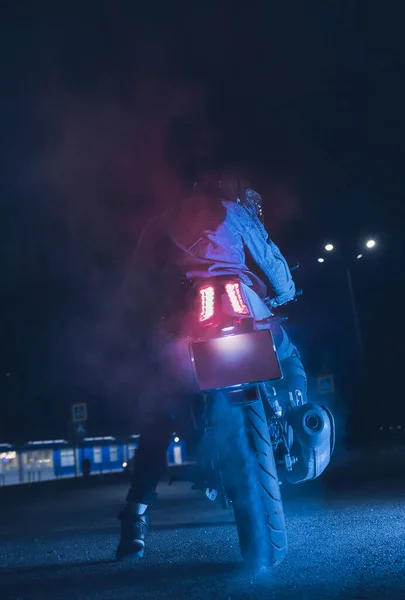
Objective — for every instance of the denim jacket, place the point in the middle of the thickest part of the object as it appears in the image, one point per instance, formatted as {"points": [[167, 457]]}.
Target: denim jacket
{"points": [[203, 244]]}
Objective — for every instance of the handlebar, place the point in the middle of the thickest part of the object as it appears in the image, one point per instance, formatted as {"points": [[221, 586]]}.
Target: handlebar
{"points": [[298, 293]]}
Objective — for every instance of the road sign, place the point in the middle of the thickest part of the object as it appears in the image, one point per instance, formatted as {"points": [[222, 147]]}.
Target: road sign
{"points": [[76, 430], [326, 384], [79, 412], [80, 429]]}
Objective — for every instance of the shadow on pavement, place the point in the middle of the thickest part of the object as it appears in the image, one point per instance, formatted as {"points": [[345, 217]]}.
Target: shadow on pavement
{"points": [[200, 524], [38, 569], [79, 531], [79, 577], [99, 579]]}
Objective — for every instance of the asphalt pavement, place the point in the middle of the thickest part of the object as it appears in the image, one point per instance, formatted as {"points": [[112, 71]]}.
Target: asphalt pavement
{"points": [[344, 542]]}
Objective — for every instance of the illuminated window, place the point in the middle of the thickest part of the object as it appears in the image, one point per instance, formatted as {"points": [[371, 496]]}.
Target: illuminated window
{"points": [[8, 460], [8, 455], [67, 457], [113, 453], [131, 450], [39, 458], [44, 458], [97, 455]]}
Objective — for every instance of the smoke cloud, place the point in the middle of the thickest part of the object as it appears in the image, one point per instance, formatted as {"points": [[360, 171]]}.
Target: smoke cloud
{"points": [[106, 161]]}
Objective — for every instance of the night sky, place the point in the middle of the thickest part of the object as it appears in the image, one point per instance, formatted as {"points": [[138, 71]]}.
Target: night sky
{"points": [[107, 114]]}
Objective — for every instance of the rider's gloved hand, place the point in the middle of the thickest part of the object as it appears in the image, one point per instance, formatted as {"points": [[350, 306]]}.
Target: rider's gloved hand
{"points": [[280, 300], [275, 302]]}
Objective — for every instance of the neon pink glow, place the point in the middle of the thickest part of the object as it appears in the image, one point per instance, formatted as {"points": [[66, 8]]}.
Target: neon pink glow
{"points": [[207, 295], [235, 297]]}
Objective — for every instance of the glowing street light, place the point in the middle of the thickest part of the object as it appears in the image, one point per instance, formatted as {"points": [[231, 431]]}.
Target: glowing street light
{"points": [[369, 244], [176, 440]]}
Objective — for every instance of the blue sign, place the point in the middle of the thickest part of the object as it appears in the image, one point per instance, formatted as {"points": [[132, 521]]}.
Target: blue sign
{"points": [[79, 412], [80, 430], [326, 384]]}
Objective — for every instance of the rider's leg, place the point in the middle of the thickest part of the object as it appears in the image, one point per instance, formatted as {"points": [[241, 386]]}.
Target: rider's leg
{"points": [[294, 377], [150, 459], [148, 468]]}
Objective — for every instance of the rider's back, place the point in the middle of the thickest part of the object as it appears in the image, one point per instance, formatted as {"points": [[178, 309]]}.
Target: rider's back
{"points": [[203, 238]]}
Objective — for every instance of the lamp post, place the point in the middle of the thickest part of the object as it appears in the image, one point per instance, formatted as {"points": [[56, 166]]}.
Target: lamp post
{"points": [[355, 313]]}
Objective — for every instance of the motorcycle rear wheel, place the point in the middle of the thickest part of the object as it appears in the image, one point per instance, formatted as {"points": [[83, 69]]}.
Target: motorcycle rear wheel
{"points": [[258, 506]]}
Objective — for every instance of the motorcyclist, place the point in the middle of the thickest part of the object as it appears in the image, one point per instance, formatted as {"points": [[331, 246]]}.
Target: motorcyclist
{"points": [[216, 231]]}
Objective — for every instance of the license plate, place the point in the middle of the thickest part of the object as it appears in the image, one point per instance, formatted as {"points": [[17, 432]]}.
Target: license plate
{"points": [[235, 360]]}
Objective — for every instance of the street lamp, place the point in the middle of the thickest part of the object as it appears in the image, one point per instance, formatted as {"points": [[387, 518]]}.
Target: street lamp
{"points": [[370, 244]]}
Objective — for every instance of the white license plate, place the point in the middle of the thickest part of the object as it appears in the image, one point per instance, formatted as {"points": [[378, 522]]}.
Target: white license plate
{"points": [[235, 360]]}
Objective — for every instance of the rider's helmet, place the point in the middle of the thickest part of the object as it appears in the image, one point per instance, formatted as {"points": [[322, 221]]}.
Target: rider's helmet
{"points": [[231, 187]]}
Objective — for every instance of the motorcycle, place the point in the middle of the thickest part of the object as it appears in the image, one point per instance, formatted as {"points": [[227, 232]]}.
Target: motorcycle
{"points": [[249, 438]]}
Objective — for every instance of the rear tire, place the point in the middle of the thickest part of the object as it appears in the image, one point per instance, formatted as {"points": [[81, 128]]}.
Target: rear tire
{"points": [[249, 477], [271, 546]]}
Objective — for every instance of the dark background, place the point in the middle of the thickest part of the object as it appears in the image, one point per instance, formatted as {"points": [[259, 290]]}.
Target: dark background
{"points": [[105, 115]]}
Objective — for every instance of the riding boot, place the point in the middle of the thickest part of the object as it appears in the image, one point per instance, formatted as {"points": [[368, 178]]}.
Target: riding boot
{"points": [[134, 525]]}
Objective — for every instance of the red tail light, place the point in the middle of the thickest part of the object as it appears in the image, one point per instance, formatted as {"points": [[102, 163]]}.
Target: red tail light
{"points": [[235, 297], [207, 296]]}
